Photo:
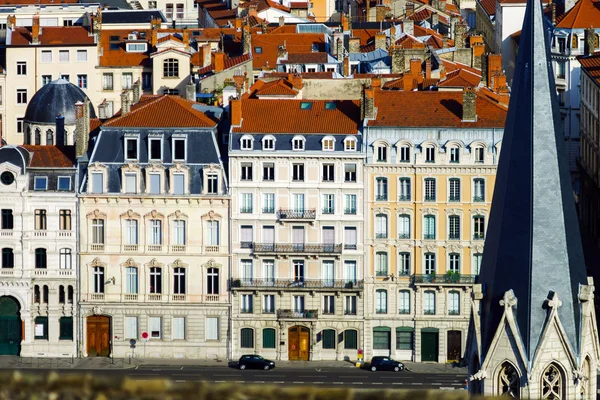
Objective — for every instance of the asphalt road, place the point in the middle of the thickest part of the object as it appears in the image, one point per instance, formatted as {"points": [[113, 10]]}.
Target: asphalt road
{"points": [[326, 377]]}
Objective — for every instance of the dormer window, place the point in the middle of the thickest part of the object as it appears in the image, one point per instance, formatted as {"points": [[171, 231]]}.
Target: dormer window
{"points": [[131, 148], [454, 154], [479, 154], [382, 153], [97, 182], [179, 149], [40, 183], [136, 47], [328, 143], [246, 143], [64, 183], [404, 153], [130, 183], [430, 154], [298, 143], [155, 149], [268, 143], [350, 144]]}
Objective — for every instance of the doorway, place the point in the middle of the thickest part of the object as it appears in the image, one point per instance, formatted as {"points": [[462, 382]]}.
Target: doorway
{"points": [[429, 344], [454, 345], [10, 326], [299, 345], [98, 336]]}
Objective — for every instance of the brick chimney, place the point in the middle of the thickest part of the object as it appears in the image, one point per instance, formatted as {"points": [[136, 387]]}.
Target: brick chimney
{"points": [[428, 69], [36, 30], [239, 23], [235, 110], [125, 105], [469, 103], [460, 32], [499, 82], [344, 22], [282, 52], [380, 41], [219, 61], [410, 9], [346, 66], [435, 4], [354, 45], [240, 82], [376, 82], [82, 127], [186, 39], [589, 45], [494, 66], [408, 25], [367, 104], [296, 81], [407, 82], [136, 92], [415, 66]]}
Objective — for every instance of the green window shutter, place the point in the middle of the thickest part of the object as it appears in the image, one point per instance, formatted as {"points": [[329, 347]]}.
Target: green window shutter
{"points": [[268, 338], [350, 339], [43, 334], [247, 338], [381, 338], [328, 339], [66, 328], [404, 339]]}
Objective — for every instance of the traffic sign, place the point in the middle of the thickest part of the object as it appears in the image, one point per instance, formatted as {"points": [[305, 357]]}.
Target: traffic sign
{"points": [[144, 335], [132, 343]]}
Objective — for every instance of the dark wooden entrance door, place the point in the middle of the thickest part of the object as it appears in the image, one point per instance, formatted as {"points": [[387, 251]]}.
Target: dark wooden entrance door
{"points": [[429, 346], [98, 336], [454, 342], [10, 327], [299, 344]]}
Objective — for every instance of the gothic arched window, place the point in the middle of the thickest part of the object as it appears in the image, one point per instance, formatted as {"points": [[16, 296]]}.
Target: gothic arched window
{"points": [[584, 381], [49, 137], [553, 383], [508, 381]]}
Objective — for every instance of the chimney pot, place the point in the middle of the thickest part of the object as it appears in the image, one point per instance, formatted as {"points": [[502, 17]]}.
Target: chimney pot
{"points": [[354, 45], [589, 45]]}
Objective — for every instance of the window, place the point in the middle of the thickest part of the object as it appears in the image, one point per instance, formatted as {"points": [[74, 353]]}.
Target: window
{"points": [[46, 79], [65, 77], [298, 200], [178, 328], [429, 227], [61, 294], [127, 80], [21, 68], [454, 227], [171, 68], [350, 143], [429, 302], [212, 281], [328, 304], [246, 206], [246, 143], [381, 264], [454, 189], [41, 327], [477, 263], [268, 203], [247, 338], [455, 154], [212, 181], [454, 262], [38, 137], [82, 81], [131, 280], [350, 339], [298, 142], [135, 47], [155, 280], [305, 105], [65, 259], [329, 339], [298, 271], [21, 96], [404, 302], [155, 149], [179, 11], [155, 232], [40, 220], [154, 184], [65, 328], [381, 301], [268, 304], [212, 328], [46, 56], [268, 335], [64, 183], [404, 226], [146, 78], [213, 233], [97, 182], [479, 154], [7, 219], [429, 189], [246, 236], [246, 303], [258, 50], [349, 173], [63, 56], [268, 143], [381, 226], [350, 204], [179, 232], [350, 305], [429, 263], [404, 154], [328, 172], [350, 238], [560, 69], [269, 272], [179, 149], [70, 294], [82, 56], [246, 172], [328, 144], [478, 190], [131, 327], [98, 277], [19, 124], [40, 183], [404, 189], [382, 189], [169, 11], [298, 172], [155, 324], [98, 231], [430, 154], [178, 184], [8, 258], [381, 338], [49, 138], [478, 227], [131, 231], [454, 303], [509, 382], [328, 204], [382, 154], [107, 81], [404, 267], [131, 149], [298, 304], [268, 172]]}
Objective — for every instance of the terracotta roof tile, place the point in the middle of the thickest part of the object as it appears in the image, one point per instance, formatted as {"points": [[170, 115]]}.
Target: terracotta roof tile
{"points": [[584, 14], [280, 87], [303, 75], [298, 4], [433, 109], [591, 65], [118, 57], [95, 123], [461, 78], [229, 63], [295, 43], [287, 116], [54, 36], [489, 6], [51, 156], [218, 11], [164, 111]]}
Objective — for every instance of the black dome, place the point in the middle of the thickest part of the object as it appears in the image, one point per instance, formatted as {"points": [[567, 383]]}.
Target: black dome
{"points": [[57, 97]]}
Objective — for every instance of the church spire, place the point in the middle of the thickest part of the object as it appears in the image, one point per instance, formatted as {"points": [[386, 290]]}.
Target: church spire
{"points": [[533, 245]]}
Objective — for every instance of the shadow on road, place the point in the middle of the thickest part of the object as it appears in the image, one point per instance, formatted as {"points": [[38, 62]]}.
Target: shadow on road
{"points": [[232, 364]]}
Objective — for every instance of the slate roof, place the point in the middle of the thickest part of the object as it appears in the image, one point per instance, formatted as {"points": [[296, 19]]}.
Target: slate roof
{"points": [[533, 245], [57, 97], [131, 16], [54, 36], [51, 156]]}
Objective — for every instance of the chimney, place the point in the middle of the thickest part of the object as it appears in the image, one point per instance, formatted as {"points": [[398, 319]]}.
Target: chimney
{"points": [[469, 111], [125, 105], [398, 63], [409, 26], [206, 55], [190, 91], [264, 26], [82, 127], [246, 40], [253, 10], [219, 61], [393, 32], [415, 66], [344, 22], [102, 110], [428, 69], [354, 45], [589, 45], [339, 48], [460, 32], [435, 4], [346, 65], [442, 72], [484, 69], [240, 82], [36, 30], [367, 109], [153, 37], [136, 88], [155, 24], [435, 21], [454, 20], [376, 82], [380, 12], [553, 8], [407, 82], [281, 20], [282, 52], [368, 11], [380, 41], [410, 9], [235, 108], [504, 96], [442, 6], [499, 82], [186, 39], [60, 131], [11, 21], [239, 23], [296, 80], [494, 66]]}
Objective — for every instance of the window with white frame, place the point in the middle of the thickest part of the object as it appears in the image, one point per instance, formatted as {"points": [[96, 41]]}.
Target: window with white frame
{"points": [[155, 234], [63, 56], [454, 189], [246, 142], [82, 56], [429, 302], [404, 302], [65, 259], [40, 183], [381, 263], [328, 304], [298, 143], [404, 189], [404, 226], [454, 154], [350, 238], [246, 303], [298, 304], [212, 281], [178, 328], [381, 185], [429, 263], [350, 272], [429, 189], [107, 81], [130, 183], [328, 144], [246, 237], [381, 301], [212, 184], [131, 280], [350, 204], [404, 261], [454, 227], [479, 154], [268, 172], [328, 273], [246, 172], [298, 266], [21, 96], [381, 226], [349, 172], [404, 154], [453, 303], [82, 81], [154, 184], [430, 154], [328, 204], [98, 276], [268, 143], [350, 305], [155, 149], [131, 327], [179, 184], [246, 203], [46, 56], [21, 68], [477, 257], [381, 153], [478, 189], [155, 280], [478, 227], [429, 227], [246, 271], [131, 231], [179, 149], [131, 149], [179, 280], [155, 324], [268, 304], [328, 172], [454, 262], [268, 203], [269, 272], [213, 233], [98, 231], [298, 172], [350, 144], [179, 236], [212, 328]]}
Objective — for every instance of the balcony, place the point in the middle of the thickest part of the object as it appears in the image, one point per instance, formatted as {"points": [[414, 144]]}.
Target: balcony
{"points": [[130, 247], [350, 247], [381, 197], [178, 297], [404, 236], [246, 210], [246, 245], [97, 247], [381, 273], [478, 236], [430, 198], [454, 199], [453, 312], [65, 234], [275, 248], [444, 279], [214, 298], [428, 236], [350, 211], [211, 248], [309, 214], [404, 197], [154, 248], [270, 284], [381, 235], [478, 199], [97, 296], [429, 312], [178, 248], [154, 297], [328, 211], [130, 297], [6, 233], [291, 314], [404, 311], [40, 233]]}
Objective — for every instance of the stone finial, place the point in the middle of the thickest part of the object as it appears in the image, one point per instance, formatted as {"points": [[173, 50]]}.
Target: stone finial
{"points": [[478, 376], [508, 300], [553, 301]]}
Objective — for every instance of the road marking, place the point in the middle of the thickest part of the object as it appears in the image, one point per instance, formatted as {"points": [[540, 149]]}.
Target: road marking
{"points": [[437, 384], [317, 383], [356, 383], [457, 384], [310, 376], [259, 381], [240, 381], [146, 374], [220, 381], [416, 383], [397, 383], [297, 382], [279, 382], [446, 388], [233, 376], [376, 383]]}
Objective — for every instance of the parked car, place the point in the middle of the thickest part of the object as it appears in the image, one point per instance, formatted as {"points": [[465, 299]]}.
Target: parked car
{"points": [[385, 363], [255, 362]]}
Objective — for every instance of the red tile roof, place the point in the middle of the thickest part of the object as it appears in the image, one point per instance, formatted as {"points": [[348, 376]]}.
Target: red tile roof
{"points": [[54, 36], [165, 111], [280, 87], [51, 156], [461, 78], [591, 65], [218, 11], [304, 75], [433, 109], [119, 57], [229, 63], [489, 6], [585, 14], [298, 4], [286, 116], [294, 43]]}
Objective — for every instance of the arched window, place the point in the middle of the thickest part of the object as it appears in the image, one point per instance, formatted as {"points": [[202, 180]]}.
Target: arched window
{"points": [[49, 137], [328, 143], [212, 281], [381, 152], [381, 301], [8, 258], [508, 381], [381, 226], [404, 302], [45, 294], [246, 142], [574, 42], [298, 143], [38, 137], [171, 68], [247, 338], [61, 294], [155, 280], [268, 338], [36, 294], [553, 383], [70, 295], [41, 260]]}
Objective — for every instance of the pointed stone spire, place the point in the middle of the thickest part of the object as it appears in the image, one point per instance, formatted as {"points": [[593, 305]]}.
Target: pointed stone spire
{"points": [[533, 245]]}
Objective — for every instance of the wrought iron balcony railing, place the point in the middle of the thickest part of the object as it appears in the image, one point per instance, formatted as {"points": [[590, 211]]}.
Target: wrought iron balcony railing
{"points": [[404, 236], [297, 248], [351, 211], [381, 197], [309, 314], [296, 214], [428, 236], [445, 278], [478, 199], [296, 284], [404, 197], [478, 236]]}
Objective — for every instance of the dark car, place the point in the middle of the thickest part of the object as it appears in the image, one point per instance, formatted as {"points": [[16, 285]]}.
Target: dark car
{"points": [[385, 363], [256, 362]]}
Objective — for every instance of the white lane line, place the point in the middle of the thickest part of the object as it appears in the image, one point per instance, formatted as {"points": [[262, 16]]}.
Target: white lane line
{"points": [[297, 382], [227, 375], [439, 384], [446, 388], [240, 381], [146, 374], [259, 381], [457, 384], [310, 376], [397, 383], [279, 382], [220, 381], [376, 383], [317, 383], [416, 383], [356, 383]]}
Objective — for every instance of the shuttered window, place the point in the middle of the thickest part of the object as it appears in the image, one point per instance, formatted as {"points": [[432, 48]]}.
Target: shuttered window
{"points": [[247, 338], [328, 339], [381, 338], [178, 328], [178, 184], [212, 328], [131, 328], [268, 338], [404, 338], [155, 327], [350, 339]]}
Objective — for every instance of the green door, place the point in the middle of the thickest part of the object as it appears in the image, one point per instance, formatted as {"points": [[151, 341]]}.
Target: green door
{"points": [[429, 345], [10, 327]]}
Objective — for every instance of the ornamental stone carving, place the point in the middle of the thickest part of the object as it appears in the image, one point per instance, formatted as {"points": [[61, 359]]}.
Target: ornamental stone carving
{"points": [[454, 211], [178, 263], [130, 214], [97, 311], [509, 300], [130, 167], [477, 248], [178, 215], [430, 248], [454, 248], [96, 262], [155, 167], [553, 301], [154, 263], [154, 215], [96, 214], [130, 263], [429, 210], [478, 211], [179, 167], [212, 215], [211, 264], [404, 211]]}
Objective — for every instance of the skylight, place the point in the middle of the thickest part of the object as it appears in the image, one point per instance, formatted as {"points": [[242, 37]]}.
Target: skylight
{"points": [[305, 105], [330, 105]]}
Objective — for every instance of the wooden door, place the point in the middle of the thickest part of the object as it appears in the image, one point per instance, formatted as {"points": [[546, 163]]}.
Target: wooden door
{"points": [[429, 346], [98, 336], [294, 345], [454, 344], [304, 345]]}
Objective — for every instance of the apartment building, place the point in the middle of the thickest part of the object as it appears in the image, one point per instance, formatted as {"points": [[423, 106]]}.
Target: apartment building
{"points": [[431, 161], [154, 235], [296, 226]]}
